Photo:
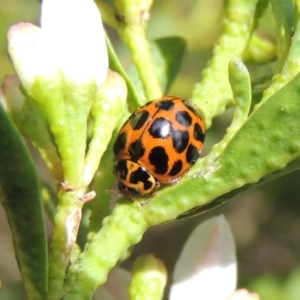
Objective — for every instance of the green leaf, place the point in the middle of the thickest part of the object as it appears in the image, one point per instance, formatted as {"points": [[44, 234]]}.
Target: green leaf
{"points": [[114, 64], [213, 93], [266, 143], [284, 13], [102, 182], [167, 54], [287, 69], [149, 278], [20, 197], [265, 146], [49, 199]]}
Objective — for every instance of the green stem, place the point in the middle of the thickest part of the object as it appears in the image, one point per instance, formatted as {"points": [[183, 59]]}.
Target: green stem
{"points": [[133, 17], [123, 228], [66, 223], [134, 37], [130, 22], [108, 14], [238, 27], [243, 162]]}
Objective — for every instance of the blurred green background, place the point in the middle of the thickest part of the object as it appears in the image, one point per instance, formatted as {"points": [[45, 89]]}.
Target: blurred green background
{"points": [[265, 222]]}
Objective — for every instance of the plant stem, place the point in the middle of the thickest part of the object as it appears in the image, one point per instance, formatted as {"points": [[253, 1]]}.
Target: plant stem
{"points": [[66, 223]]}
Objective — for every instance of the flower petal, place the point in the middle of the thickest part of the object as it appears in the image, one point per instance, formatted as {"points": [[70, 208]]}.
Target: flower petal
{"points": [[30, 54], [76, 31], [206, 268], [243, 294]]}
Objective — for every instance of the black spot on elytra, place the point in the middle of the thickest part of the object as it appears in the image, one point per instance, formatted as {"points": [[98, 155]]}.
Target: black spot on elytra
{"points": [[136, 150], [180, 140], [165, 105], [160, 128], [141, 175], [120, 143], [159, 159], [198, 133], [176, 168], [192, 108], [192, 154], [183, 118], [137, 120]]}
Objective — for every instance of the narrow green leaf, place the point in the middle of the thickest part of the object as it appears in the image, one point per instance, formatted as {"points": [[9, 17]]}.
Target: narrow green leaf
{"points": [[265, 145], [241, 89], [167, 56], [103, 181], [284, 13], [292, 167], [49, 199], [287, 69], [20, 197], [114, 64]]}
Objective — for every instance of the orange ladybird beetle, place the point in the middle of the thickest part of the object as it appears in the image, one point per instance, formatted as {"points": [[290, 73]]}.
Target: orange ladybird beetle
{"points": [[157, 144]]}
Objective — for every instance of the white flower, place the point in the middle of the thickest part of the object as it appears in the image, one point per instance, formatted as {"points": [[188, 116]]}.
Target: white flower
{"points": [[207, 267], [70, 42], [205, 270]]}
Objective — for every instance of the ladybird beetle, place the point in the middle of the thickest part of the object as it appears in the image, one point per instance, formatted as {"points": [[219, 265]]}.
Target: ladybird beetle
{"points": [[157, 144]]}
